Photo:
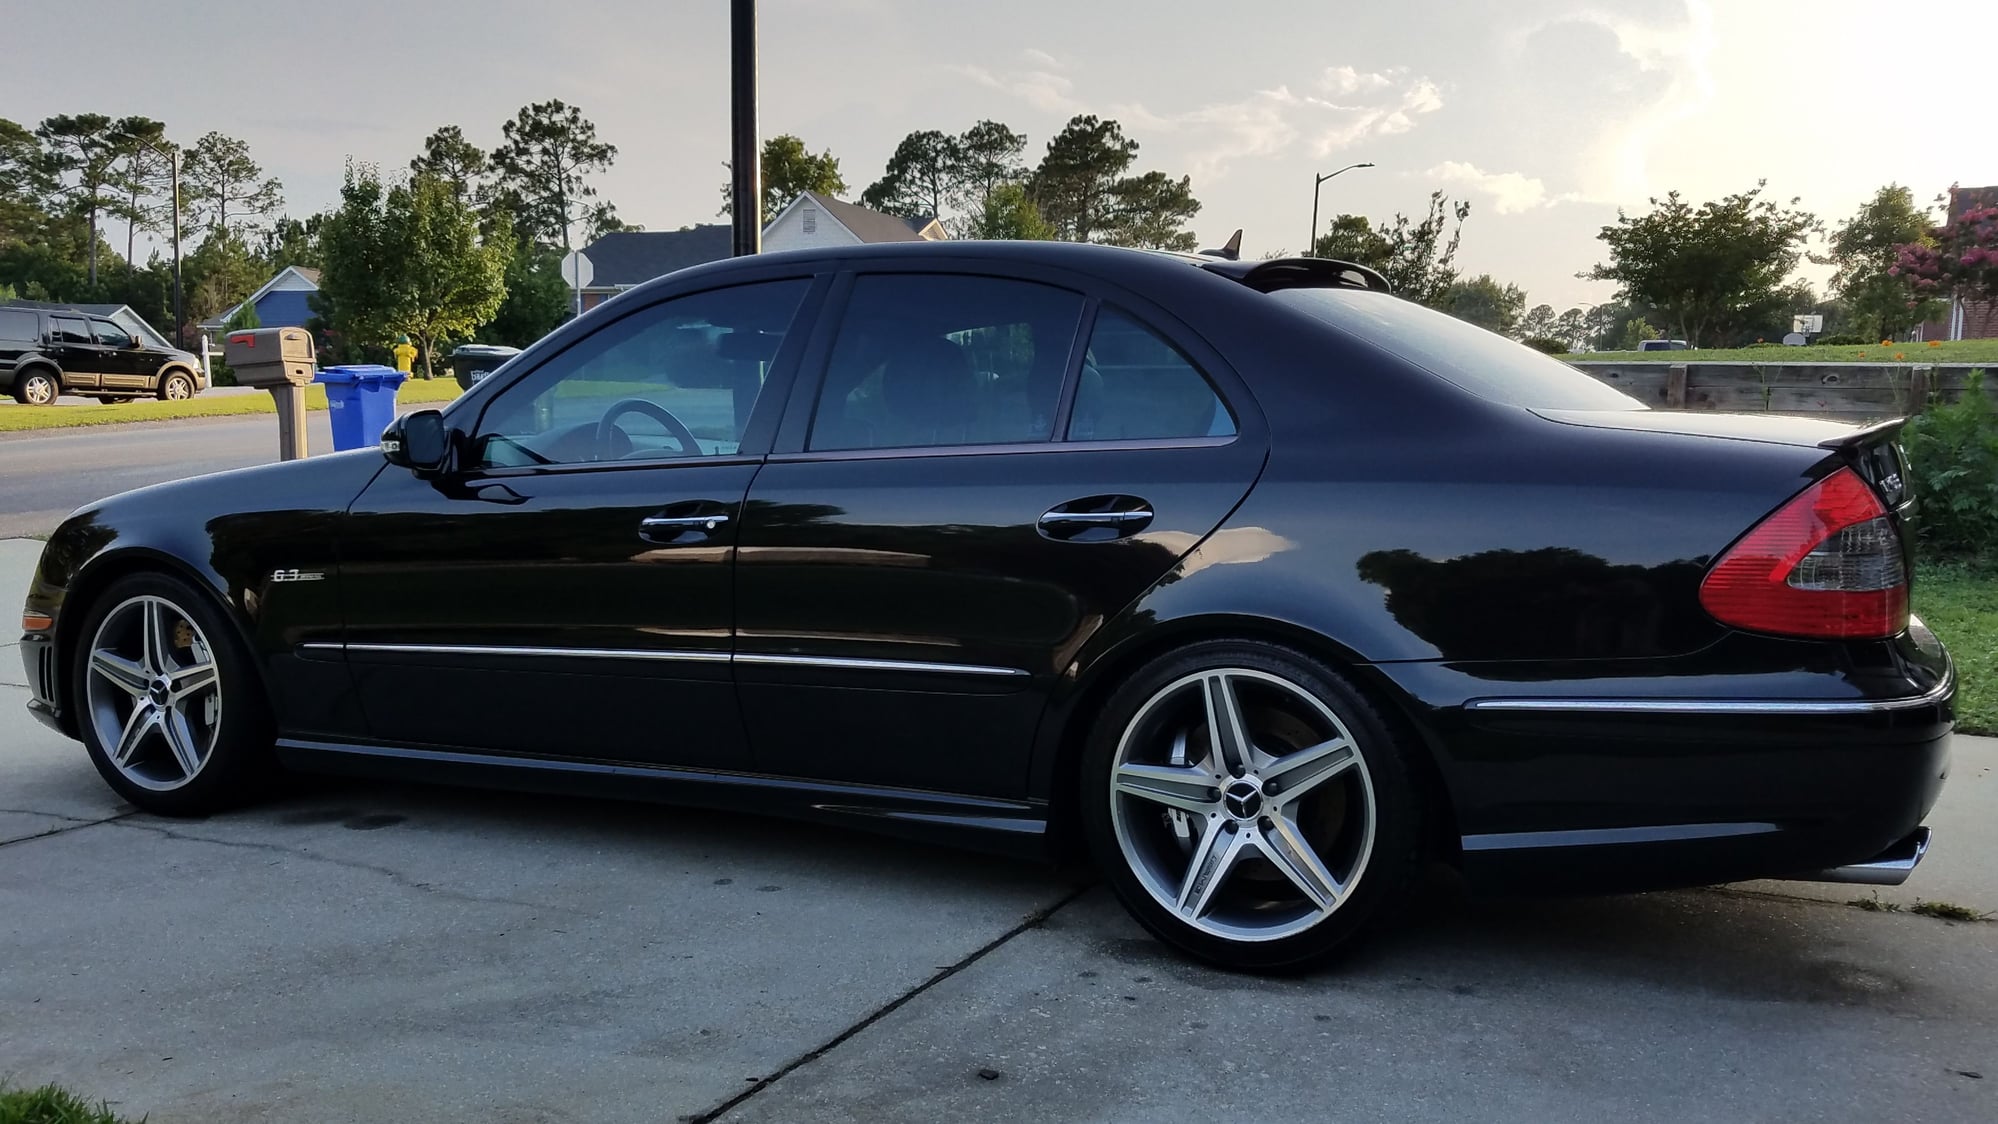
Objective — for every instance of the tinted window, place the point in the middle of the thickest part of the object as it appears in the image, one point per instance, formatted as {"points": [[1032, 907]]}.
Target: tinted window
{"points": [[923, 359], [674, 380], [70, 331], [18, 325], [1136, 386], [1481, 362], [110, 334]]}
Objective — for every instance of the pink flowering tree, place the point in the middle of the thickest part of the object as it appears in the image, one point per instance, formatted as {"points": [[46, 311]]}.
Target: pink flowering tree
{"points": [[1963, 259]]}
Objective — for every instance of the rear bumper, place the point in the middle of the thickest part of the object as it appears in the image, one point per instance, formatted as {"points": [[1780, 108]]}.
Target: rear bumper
{"points": [[1888, 868], [1633, 781]]}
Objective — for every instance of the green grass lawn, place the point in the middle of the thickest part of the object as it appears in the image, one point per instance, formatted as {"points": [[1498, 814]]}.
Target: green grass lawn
{"points": [[51, 1104], [1951, 351], [1960, 601], [15, 417]]}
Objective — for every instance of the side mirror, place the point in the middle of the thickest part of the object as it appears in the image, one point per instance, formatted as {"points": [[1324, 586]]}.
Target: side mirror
{"points": [[417, 441], [136, 342]]}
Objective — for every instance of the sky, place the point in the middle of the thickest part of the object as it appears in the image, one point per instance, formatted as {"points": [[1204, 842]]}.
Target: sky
{"points": [[1547, 115]]}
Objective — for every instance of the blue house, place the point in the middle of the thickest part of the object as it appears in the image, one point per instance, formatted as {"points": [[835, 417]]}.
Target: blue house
{"points": [[281, 303]]}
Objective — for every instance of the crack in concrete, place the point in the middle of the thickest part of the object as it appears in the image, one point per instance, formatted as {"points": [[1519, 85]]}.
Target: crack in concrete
{"points": [[1033, 920], [395, 876], [76, 823]]}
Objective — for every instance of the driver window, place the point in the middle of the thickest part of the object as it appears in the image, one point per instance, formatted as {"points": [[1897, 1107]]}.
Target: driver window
{"points": [[672, 381], [109, 334]]}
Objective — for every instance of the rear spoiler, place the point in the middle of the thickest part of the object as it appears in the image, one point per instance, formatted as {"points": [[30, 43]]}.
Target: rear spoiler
{"points": [[1300, 273], [1864, 436]]}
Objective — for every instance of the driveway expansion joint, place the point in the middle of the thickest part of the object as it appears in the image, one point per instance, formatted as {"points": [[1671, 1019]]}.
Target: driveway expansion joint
{"points": [[1033, 920]]}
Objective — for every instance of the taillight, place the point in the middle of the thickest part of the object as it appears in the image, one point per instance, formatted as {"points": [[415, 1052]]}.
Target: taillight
{"points": [[1828, 564]]}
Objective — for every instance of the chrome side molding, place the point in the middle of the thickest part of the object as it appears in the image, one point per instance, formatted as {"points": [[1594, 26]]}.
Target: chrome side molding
{"points": [[1890, 868], [662, 655], [1561, 705]]}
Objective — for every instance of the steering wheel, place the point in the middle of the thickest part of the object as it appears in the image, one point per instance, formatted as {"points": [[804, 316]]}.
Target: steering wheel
{"points": [[675, 428]]}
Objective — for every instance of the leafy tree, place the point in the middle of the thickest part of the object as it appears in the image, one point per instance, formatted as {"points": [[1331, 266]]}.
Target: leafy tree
{"points": [[603, 220], [1708, 270], [1009, 213], [1960, 257], [1075, 184], [789, 170], [537, 298], [219, 179], [988, 159], [1415, 257], [548, 150], [1151, 211], [144, 175], [293, 241], [24, 184], [1878, 303], [1537, 322], [448, 156], [82, 155], [1572, 328], [921, 176], [1481, 300], [219, 273]]}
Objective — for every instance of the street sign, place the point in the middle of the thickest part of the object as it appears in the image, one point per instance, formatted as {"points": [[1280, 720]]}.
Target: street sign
{"points": [[577, 270]]}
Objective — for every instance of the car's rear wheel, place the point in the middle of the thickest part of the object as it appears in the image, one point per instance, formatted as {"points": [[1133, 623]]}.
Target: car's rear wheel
{"points": [[176, 387], [37, 387], [168, 704], [1249, 806]]}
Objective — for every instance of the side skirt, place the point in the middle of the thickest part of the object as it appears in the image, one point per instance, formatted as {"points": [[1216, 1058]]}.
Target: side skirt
{"points": [[1013, 828]]}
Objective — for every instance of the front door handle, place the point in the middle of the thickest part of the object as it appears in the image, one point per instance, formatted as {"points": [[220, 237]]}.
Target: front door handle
{"points": [[671, 529], [1096, 519]]}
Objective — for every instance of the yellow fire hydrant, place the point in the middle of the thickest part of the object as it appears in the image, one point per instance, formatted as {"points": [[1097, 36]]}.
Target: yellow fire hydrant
{"points": [[405, 355]]}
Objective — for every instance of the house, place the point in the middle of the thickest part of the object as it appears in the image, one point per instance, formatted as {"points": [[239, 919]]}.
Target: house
{"points": [[120, 314], [283, 302], [632, 257], [812, 221], [1966, 319]]}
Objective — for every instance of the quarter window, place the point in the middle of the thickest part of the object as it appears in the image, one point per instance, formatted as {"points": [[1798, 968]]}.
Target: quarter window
{"points": [[926, 359], [675, 380], [1136, 386], [18, 325]]}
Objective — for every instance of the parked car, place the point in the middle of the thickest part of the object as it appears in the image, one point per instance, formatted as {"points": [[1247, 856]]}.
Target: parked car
{"points": [[44, 354], [1662, 345], [1258, 584]]}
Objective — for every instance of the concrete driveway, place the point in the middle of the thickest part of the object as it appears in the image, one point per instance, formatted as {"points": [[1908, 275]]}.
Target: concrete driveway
{"points": [[383, 953]]}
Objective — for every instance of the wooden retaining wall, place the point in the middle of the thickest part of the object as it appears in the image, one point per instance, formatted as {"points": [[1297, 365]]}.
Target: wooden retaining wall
{"points": [[1854, 392]]}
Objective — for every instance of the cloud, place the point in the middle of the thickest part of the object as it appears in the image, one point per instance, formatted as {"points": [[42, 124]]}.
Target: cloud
{"points": [[1347, 107], [1039, 58], [1510, 192]]}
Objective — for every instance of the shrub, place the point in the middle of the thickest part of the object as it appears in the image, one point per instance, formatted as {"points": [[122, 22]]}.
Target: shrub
{"points": [[1547, 344], [1842, 339], [51, 1104], [1953, 457]]}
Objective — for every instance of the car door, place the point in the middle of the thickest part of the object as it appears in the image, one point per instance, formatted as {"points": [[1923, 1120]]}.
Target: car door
{"points": [[565, 590], [121, 362], [935, 537], [77, 351]]}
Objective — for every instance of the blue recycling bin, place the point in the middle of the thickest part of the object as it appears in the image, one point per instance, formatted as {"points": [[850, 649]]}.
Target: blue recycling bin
{"points": [[360, 401]]}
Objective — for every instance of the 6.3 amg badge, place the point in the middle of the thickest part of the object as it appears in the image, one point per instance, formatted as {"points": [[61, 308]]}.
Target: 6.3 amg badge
{"points": [[297, 576]]}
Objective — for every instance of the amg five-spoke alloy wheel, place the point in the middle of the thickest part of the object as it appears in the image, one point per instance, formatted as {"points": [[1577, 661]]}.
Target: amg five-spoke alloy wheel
{"points": [[164, 701], [1249, 806]]}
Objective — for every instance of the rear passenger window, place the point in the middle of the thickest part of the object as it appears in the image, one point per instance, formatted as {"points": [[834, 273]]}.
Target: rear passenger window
{"points": [[927, 359], [70, 331], [1135, 386]]}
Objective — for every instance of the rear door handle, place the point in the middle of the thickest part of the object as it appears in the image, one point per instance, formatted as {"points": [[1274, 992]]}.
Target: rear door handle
{"points": [[1096, 519], [668, 530]]}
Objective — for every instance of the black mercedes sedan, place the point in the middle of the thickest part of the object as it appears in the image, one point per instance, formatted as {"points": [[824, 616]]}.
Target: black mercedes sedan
{"points": [[1256, 583]]}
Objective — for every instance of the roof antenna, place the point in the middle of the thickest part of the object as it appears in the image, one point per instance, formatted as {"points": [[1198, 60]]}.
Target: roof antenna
{"points": [[1232, 251]]}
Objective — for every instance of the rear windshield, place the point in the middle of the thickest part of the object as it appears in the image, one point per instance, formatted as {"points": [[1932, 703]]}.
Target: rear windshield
{"points": [[1484, 363]]}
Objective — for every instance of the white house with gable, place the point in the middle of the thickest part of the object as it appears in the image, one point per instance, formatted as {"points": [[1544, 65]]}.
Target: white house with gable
{"points": [[813, 220]]}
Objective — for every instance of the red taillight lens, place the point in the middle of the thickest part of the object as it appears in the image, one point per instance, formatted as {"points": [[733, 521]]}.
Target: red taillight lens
{"points": [[1828, 564]]}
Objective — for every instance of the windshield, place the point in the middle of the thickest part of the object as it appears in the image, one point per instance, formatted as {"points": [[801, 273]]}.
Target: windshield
{"points": [[1484, 363]]}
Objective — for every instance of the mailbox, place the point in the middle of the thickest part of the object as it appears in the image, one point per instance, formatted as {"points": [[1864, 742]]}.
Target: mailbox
{"points": [[270, 357]]}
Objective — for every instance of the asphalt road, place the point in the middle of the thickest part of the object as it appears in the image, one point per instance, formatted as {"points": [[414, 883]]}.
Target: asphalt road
{"points": [[46, 474], [367, 952]]}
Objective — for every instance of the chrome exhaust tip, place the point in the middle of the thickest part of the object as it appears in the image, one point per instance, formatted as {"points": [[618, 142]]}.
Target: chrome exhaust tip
{"points": [[1889, 868]]}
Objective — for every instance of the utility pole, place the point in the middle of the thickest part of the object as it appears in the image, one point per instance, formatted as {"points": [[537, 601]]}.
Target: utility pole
{"points": [[746, 165], [1311, 247]]}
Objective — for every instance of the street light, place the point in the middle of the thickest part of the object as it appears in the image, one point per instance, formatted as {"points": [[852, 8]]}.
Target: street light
{"points": [[1311, 247], [172, 152]]}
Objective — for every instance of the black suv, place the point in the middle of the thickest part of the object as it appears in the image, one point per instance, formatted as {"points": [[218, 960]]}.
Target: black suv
{"points": [[45, 353]]}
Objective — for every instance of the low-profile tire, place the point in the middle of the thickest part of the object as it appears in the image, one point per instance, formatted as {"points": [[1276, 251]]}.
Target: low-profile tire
{"points": [[1272, 846], [167, 700], [37, 386], [177, 386]]}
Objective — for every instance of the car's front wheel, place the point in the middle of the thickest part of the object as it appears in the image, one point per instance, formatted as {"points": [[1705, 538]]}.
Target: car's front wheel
{"points": [[177, 387], [36, 388], [1249, 806], [169, 707]]}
